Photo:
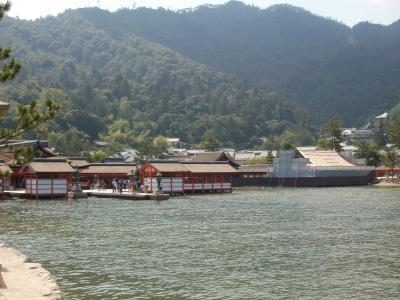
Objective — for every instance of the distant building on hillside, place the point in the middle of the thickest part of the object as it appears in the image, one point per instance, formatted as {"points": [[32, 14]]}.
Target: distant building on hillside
{"points": [[174, 141], [101, 144], [125, 156], [129, 155], [374, 123], [382, 116], [366, 133]]}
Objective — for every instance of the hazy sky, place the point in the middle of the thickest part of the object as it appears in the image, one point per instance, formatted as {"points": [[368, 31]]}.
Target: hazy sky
{"points": [[347, 11]]}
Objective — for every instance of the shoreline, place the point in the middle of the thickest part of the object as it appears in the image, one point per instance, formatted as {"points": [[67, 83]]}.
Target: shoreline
{"points": [[387, 184], [22, 279]]}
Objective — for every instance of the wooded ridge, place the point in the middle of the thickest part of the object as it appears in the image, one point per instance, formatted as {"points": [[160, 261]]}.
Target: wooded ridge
{"points": [[133, 74]]}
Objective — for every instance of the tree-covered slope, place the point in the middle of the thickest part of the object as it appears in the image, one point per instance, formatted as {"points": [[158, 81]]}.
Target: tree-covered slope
{"points": [[236, 38], [353, 72], [123, 89], [144, 72]]}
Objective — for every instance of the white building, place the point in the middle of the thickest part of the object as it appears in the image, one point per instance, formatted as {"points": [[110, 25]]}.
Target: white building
{"points": [[310, 162]]}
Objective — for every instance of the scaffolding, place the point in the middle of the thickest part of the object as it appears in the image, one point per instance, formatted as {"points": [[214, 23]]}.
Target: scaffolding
{"points": [[289, 166]]}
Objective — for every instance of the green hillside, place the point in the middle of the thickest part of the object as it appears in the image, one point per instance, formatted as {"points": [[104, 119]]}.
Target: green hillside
{"points": [[245, 72], [124, 89], [332, 68]]}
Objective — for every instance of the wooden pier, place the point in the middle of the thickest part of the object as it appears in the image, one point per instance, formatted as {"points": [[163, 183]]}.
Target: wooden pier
{"points": [[95, 193]]}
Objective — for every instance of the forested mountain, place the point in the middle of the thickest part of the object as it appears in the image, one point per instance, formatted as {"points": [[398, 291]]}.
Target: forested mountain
{"points": [[132, 74], [353, 72], [125, 89]]}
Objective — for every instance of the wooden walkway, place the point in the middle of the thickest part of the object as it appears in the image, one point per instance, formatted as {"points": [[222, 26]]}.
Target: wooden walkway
{"points": [[98, 194]]}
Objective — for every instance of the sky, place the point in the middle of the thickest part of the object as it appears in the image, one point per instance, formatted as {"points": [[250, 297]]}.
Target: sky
{"points": [[349, 12]]}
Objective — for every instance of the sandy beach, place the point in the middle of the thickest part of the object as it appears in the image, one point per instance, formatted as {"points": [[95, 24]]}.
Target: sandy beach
{"points": [[21, 279]]}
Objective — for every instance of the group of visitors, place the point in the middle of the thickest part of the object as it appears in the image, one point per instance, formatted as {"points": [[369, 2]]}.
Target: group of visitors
{"points": [[98, 184], [120, 185]]}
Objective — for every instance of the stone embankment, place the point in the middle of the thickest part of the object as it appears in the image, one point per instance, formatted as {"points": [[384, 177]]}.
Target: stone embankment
{"points": [[21, 279], [389, 182]]}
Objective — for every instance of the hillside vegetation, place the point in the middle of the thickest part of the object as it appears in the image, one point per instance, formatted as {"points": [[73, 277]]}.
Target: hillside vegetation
{"points": [[244, 72], [326, 65], [123, 90]]}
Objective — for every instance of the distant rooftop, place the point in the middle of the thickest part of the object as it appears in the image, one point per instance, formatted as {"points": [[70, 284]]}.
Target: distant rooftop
{"points": [[100, 143], [173, 140], [382, 116], [323, 158]]}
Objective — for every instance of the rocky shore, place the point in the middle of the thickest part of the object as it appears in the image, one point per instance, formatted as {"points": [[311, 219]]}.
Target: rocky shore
{"points": [[388, 182], [21, 279]]}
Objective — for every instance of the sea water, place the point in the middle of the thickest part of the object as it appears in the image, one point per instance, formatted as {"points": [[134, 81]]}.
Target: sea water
{"points": [[276, 243]]}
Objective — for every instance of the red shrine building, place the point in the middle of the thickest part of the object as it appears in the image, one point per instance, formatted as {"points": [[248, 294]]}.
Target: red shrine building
{"points": [[188, 177], [47, 177]]}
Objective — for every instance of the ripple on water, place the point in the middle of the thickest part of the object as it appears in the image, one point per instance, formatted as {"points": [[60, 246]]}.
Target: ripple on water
{"points": [[252, 244]]}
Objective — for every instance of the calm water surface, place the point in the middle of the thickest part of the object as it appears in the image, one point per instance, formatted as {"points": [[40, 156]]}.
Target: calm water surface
{"points": [[253, 244]]}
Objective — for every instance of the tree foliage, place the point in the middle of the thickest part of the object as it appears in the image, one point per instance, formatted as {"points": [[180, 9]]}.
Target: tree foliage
{"points": [[380, 136], [392, 126], [369, 152], [32, 116], [153, 148], [98, 156], [113, 84], [9, 66], [72, 142], [210, 141], [331, 137], [332, 68], [161, 144], [126, 91], [25, 155], [394, 134], [256, 161], [28, 116], [389, 158]]}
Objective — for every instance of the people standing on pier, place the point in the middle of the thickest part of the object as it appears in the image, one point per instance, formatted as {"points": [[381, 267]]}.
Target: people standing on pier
{"points": [[103, 184], [134, 186], [129, 186], [125, 183], [114, 185], [96, 183], [120, 186], [92, 184]]}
